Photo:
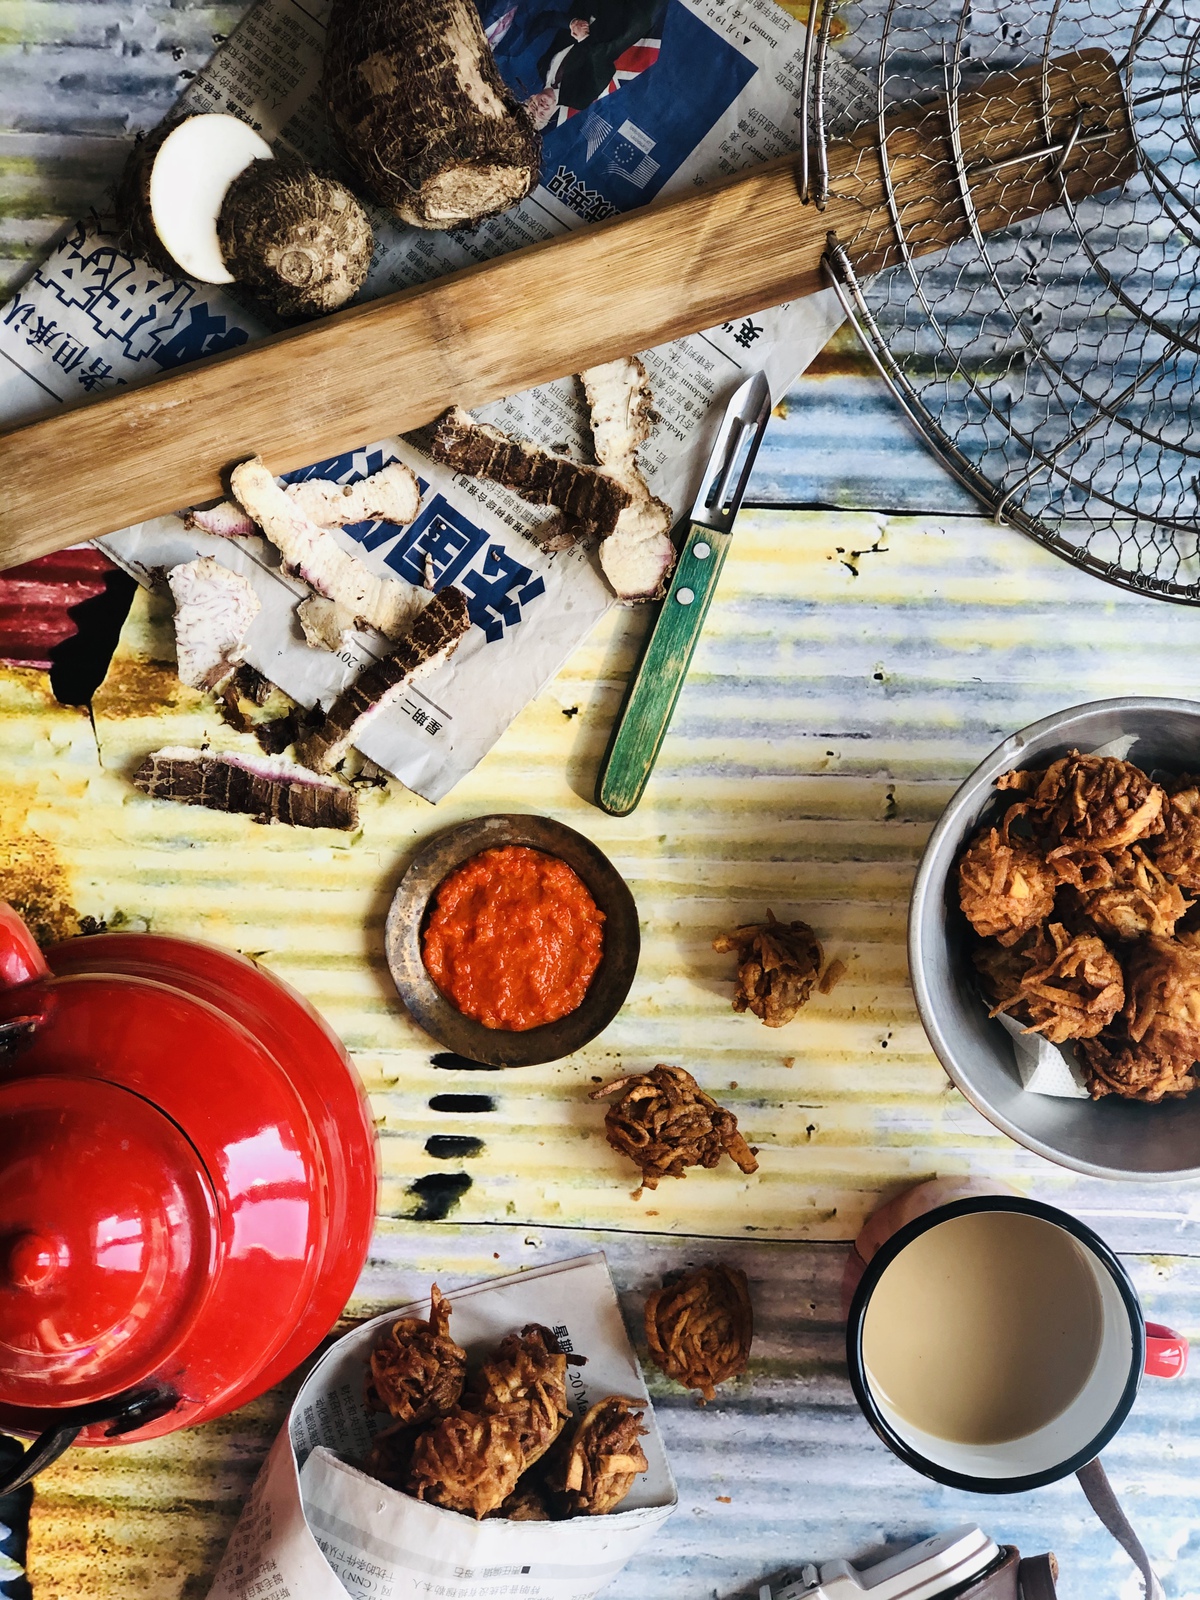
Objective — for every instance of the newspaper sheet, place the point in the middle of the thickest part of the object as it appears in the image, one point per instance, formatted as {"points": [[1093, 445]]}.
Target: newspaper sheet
{"points": [[315, 1527], [696, 90]]}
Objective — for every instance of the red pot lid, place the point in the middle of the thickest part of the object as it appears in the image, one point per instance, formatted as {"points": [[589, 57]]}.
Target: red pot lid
{"points": [[107, 1240]]}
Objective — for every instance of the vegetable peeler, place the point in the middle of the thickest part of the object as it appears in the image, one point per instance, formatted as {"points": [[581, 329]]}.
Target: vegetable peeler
{"points": [[649, 703]]}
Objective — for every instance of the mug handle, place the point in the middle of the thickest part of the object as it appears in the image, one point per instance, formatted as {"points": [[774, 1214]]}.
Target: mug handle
{"points": [[1166, 1352]]}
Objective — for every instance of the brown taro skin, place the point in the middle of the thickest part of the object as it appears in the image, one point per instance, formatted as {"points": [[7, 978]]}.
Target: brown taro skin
{"points": [[422, 113], [700, 1326], [298, 238]]}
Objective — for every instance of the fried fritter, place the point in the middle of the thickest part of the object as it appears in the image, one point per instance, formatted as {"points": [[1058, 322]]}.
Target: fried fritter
{"points": [[665, 1123], [596, 1472], [1152, 1052], [468, 1461], [1060, 985], [1129, 900], [1005, 886], [699, 1328], [525, 1381], [525, 1504], [417, 1371], [391, 1455], [1158, 1068], [1177, 852], [1092, 804], [778, 963], [1163, 987]]}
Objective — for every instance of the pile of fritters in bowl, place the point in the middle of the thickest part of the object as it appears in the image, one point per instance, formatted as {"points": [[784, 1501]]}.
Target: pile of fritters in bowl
{"points": [[1083, 900], [498, 1441]]}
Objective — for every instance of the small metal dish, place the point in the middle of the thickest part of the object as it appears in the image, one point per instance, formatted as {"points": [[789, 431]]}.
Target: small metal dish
{"points": [[428, 1006]]}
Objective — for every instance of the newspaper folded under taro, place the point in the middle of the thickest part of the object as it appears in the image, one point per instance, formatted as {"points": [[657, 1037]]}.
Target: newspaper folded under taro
{"points": [[316, 1526], [708, 88]]}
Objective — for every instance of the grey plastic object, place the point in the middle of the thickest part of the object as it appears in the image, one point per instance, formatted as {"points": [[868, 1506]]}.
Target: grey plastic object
{"points": [[1109, 1138]]}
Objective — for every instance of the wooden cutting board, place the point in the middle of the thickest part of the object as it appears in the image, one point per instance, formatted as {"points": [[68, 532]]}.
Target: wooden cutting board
{"points": [[712, 254]]}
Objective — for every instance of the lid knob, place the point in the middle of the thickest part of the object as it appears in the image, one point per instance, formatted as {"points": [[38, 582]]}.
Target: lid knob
{"points": [[34, 1261]]}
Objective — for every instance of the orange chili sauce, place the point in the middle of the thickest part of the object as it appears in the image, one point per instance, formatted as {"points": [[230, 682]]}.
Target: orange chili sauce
{"points": [[514, 939]]}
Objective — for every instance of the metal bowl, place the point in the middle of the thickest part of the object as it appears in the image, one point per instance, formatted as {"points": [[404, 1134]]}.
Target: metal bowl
{"points": [[428, 1006], [1109, 1138]]}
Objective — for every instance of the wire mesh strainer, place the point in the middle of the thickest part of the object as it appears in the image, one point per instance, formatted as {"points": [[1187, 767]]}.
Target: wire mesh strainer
{"points": [[1052, 364]]}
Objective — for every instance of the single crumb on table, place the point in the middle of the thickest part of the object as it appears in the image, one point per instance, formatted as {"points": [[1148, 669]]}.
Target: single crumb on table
{"points": [[699, 1327]]}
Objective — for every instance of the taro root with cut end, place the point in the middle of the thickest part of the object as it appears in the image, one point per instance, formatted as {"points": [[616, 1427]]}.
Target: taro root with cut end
{"points": [[416, 1370], [594, 1474], [664, 1122], [699, 1327], [1091, 804], [778, 964], [525, 1381], [300, 240], [1060, 985], [422, 113], [204, 197], [468, 1461], [1005, 886]]}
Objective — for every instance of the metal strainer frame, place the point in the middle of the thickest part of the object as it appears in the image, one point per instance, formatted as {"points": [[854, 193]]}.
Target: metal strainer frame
{"points": [[1168, 539]]}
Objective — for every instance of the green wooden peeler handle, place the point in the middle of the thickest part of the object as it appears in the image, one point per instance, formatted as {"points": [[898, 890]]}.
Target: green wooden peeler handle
{"points": [[650, 702]]}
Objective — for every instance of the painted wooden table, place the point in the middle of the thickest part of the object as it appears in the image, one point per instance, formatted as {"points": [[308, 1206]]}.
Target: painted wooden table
{"points": [[872, 639]]}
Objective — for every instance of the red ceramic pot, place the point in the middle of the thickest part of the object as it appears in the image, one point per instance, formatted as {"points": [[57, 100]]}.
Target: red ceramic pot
{"points": [[187, 1185]]}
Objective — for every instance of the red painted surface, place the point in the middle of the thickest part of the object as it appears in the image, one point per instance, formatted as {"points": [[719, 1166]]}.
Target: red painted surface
{"points": [[187, 1183], [36, 600]]}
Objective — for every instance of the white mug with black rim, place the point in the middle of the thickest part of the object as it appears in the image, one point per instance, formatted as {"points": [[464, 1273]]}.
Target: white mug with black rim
{"points": [[1116, 1349]]}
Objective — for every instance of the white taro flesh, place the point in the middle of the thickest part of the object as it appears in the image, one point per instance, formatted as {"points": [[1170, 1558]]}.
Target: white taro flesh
{"points": [[192, 171]]}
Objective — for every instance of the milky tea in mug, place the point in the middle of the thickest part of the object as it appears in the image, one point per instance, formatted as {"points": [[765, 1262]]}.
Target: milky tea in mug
{"points": [[984, 1328]]}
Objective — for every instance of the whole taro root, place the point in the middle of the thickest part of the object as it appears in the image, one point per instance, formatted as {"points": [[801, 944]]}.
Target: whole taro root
{"points": [[778, 963], [665, 1123], [416, 1370], [699, 1328], [597, 1469]]}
